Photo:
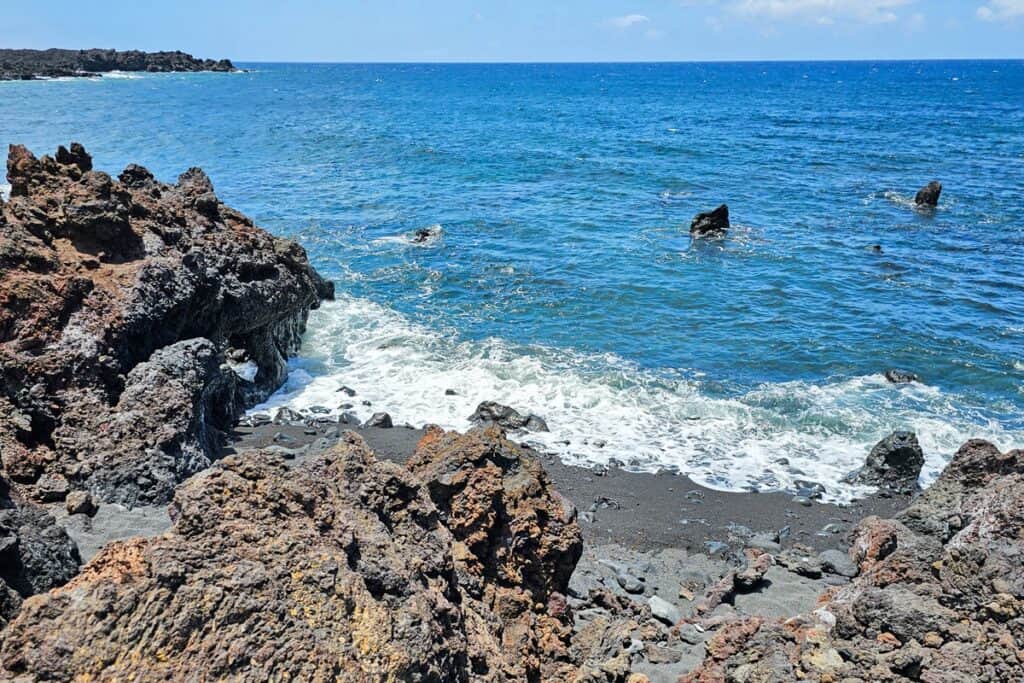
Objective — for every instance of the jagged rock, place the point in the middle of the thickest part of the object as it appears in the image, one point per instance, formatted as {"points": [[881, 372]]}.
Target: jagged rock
{"points": [[30, 64], [380, 420], [929, 194], [939, 596], [901, 376], [343, 568], [714, 223], [516, 543], [123, 304], [490, 412], [894, 463], [35, 553]]}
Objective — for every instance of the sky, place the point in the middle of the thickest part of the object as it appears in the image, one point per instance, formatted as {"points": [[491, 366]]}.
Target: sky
{"points": [[527, 30]]}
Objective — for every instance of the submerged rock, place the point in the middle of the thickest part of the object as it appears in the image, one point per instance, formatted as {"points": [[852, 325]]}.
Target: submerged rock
{"points": [[929, 194], [343, 568], [126, 304], [897, 376], [894, 464], [713, 223], [490, 412]]}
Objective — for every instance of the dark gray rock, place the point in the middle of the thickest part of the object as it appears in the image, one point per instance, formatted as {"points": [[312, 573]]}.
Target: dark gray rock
{"points": [[712, 223], [664, 611], [57, 63], [893, 464], [35, 553], [837, 562], [491, 412], [897, 376], [381, 420], [929, 194]]}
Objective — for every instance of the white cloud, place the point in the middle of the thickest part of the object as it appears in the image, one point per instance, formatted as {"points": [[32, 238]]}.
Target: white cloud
{"points": [[825, 11], [627, 21], [995, 10]]}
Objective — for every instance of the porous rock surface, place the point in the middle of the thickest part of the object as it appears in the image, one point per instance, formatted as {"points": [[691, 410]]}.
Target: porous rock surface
{"points": [[35, 553], [124, 305], [939, 597], [343, 568]]}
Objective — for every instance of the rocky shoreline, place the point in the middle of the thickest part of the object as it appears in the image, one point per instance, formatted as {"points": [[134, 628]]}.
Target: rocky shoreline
{"points": [[27, 65], [147, 534]]}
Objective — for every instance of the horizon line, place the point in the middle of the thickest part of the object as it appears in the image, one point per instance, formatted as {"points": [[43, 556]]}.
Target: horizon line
{"points": [[513, 62]]}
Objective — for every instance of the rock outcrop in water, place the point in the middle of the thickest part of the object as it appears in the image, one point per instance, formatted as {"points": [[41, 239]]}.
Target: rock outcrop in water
{"points": [[54, 63], [939, 597], [125, 305], [929, 194], [344, 568], [894, 464], [711, 223], [491, 412]]}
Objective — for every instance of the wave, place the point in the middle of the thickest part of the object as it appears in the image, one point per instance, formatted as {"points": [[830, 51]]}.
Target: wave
{"points": [[5, 191], [601, 407]]}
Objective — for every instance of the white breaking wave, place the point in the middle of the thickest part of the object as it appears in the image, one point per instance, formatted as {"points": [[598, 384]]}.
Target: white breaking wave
{"points": [[5, 191], [602, 407]]}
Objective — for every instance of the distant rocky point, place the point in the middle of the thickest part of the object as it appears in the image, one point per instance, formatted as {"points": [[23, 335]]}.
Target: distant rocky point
{"points": [[27, 65]]}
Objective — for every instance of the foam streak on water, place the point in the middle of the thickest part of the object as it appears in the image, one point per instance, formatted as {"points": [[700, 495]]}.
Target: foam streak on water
{"points": [[605, 408]]}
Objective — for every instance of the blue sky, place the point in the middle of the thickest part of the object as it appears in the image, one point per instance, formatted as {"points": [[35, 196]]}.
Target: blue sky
{"points": [[527, 30]]}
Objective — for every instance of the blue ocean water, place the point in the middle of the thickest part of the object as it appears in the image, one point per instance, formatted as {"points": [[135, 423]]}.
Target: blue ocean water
{"points": [[563, 280]]}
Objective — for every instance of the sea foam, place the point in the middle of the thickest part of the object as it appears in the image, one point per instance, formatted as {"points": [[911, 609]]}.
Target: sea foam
{"points": [[601, 407]]}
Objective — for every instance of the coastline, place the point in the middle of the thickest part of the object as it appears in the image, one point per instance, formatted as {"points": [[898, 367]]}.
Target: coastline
{"points": [[135, 498]]}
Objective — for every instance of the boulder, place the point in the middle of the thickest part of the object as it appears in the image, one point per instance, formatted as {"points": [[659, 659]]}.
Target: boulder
{"points": [[125, 304], [894, 464], [36, 554], [342, 568], [380, 420], [897, 376], [491, 412], [939, 594], [712, 223], [929, 194]]}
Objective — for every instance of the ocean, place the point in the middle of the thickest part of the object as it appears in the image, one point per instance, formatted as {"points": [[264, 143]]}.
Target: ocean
{"points": [[561, 278]]}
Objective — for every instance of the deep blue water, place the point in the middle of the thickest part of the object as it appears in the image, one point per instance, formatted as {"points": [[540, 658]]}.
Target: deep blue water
{"points": [[565, 281]]}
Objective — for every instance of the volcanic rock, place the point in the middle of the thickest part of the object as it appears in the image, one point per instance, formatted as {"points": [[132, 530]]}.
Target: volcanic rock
{"points": [[122, 302], [929, 194], [53, 63], [35, 553], [490, 412], [939, 597], [894, 464], [714, 223], [901, 376], [343, 568]]}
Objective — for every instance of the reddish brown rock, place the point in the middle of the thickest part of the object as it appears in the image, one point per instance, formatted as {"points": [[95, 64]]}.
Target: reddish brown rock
{"points": [[344, 568], [120, 302], [515, 547], [939, 597]]}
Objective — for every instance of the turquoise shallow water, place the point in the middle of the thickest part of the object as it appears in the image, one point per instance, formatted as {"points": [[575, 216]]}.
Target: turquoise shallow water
{"points": [[564, 280]]}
